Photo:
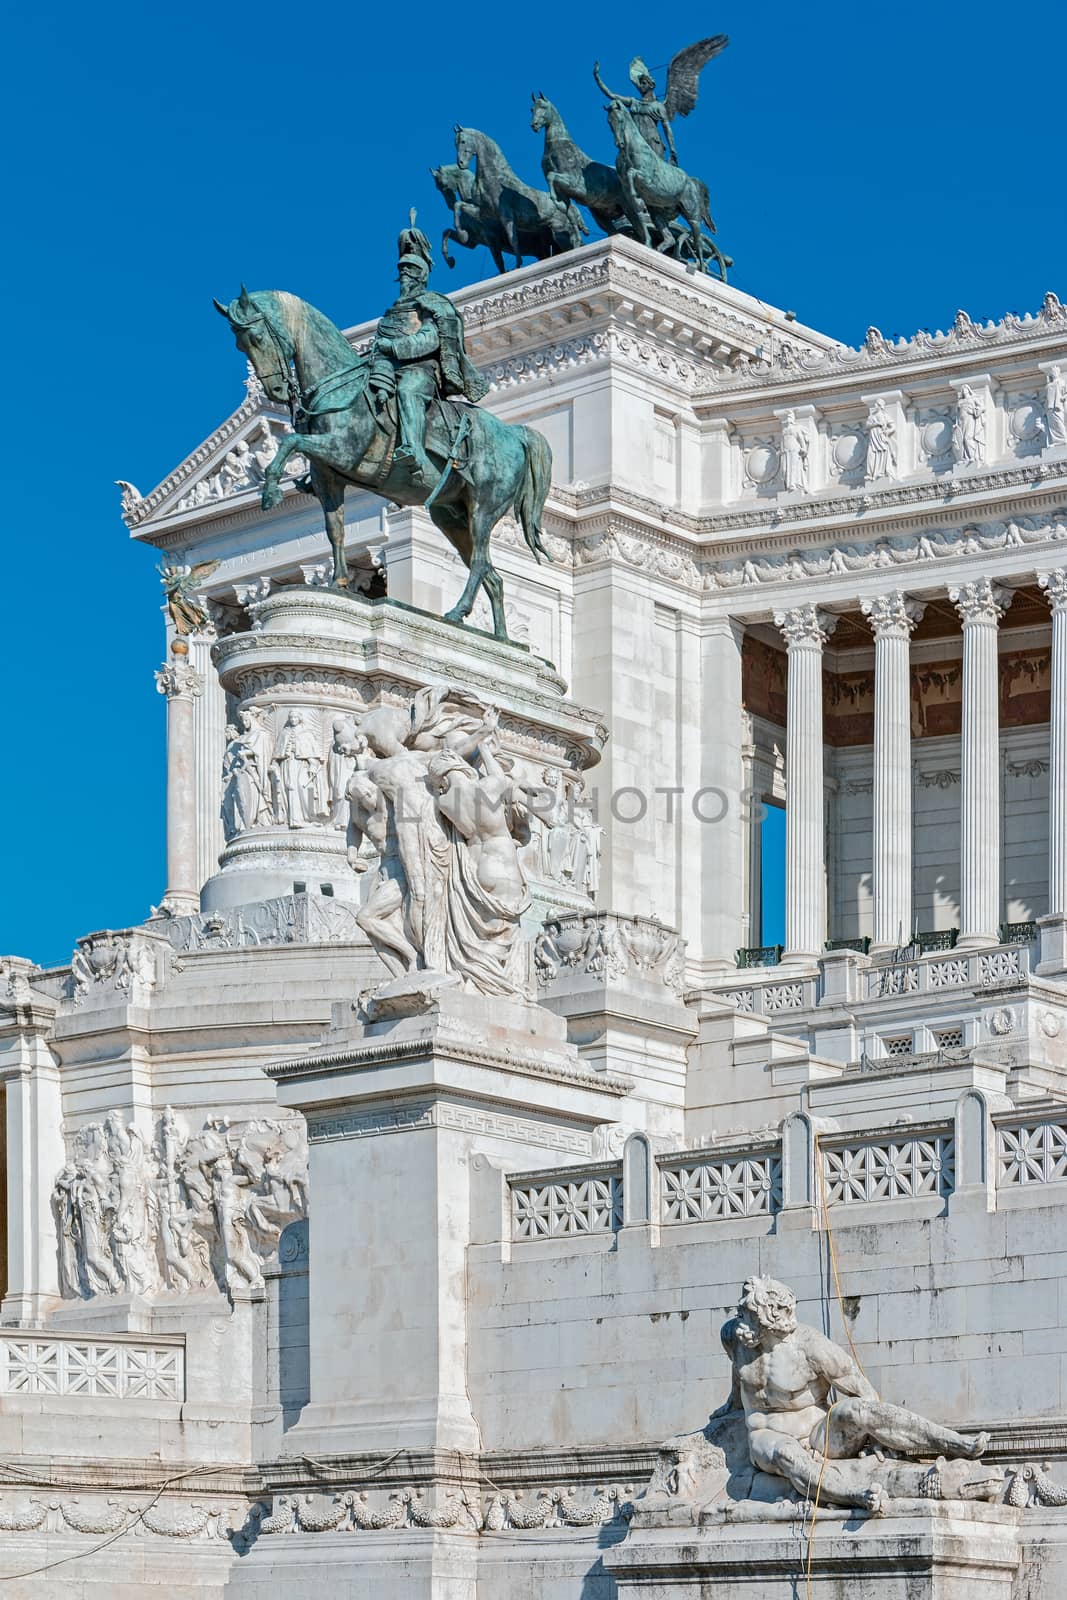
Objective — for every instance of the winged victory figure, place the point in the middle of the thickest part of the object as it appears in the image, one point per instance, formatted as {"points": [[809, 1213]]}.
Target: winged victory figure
{"points": [[649, 111], [179, 585]]}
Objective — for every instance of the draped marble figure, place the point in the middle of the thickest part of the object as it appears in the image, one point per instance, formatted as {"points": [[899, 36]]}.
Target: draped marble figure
{"points": [[446, 820]]}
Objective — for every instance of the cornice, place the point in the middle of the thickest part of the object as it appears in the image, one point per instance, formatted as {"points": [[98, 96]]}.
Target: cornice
{"points": [[891, 360], [382, 1053]]}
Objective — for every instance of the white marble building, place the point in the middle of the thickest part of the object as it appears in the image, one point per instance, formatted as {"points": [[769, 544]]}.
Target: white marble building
{"points": [[438, 1360]]}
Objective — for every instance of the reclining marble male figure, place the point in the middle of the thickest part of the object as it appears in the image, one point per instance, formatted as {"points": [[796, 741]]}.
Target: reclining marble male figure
{"points": [[783, 1374]]}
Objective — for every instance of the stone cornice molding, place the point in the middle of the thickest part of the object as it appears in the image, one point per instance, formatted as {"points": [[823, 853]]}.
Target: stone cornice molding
{"points": [[776, 560], [981, 603], [965, 339], [903, 502], [380, 1053], [892, 616]]}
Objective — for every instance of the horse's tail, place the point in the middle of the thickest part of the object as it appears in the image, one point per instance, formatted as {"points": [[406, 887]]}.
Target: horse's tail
{"points": [[705, 207], [532, 493]]}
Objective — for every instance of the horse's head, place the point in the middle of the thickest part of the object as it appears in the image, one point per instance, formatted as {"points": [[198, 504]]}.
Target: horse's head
{"points": [[454, 182], [542, 112], [620, 122], [262, 336], [466, 145]]}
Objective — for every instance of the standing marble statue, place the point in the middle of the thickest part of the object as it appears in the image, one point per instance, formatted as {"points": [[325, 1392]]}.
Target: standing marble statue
{"points": [[795, 450], [968, 433], [341, 763], [447, 822], [809, 1411], [486, 818], [881, 443], [298, 773], [1056, 407]]}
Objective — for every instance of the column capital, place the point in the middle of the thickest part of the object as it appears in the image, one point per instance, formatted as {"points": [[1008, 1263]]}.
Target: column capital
{"points": [[892, 616], [805, 627], [981, 603], [1054, 584], [178, 678]]}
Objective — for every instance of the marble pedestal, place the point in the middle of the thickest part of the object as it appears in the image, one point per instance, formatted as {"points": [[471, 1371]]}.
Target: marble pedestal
{"points": [[396, 1109], [923, 1550], [325, 658]]}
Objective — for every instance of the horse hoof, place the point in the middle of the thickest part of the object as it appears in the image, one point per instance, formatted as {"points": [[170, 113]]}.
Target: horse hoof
{"points": [[454, 616], [271, 497]]}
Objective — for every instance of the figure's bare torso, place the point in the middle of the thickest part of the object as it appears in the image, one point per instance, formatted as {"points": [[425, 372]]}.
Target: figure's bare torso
{"points": [[782, 1391]]}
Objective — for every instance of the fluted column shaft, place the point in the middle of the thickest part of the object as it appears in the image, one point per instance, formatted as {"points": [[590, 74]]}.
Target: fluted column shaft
{"points": [[805, 630], [1055, 587], [181, 684], [892, 619], [981, 606]]}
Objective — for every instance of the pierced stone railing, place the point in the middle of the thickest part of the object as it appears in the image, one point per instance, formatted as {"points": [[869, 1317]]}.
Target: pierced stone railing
{"points": [[774, 998], [882, 1168], [950, 969], [699, 1188], [124, 1368], [559, 1204], [1031, 1152]]}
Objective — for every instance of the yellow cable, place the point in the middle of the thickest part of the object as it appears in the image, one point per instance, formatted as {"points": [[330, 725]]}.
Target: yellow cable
{"points": [[818, 1492], [833, 1254]]}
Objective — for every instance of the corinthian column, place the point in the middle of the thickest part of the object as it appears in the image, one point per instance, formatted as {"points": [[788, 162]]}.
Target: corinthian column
{"points": [[981, 606], [805, 630], [181, 684], [892, 618], [1054, 925]]}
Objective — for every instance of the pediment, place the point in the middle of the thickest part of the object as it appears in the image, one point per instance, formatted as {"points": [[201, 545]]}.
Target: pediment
{"points": [[219, 474]]}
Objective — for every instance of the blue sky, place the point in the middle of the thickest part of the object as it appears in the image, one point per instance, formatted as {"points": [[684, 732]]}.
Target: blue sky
{"points": [[866, 164]]}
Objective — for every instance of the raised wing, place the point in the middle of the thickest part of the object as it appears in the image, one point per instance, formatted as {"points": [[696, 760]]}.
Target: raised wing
{"points": [[204, 570], [683, 74]]}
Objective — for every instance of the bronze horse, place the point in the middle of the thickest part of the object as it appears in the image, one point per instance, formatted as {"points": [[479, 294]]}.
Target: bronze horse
{"points": [[484, 468]]}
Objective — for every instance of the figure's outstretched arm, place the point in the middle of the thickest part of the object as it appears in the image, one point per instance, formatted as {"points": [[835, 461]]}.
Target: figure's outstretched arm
{"points": [[602, 86]]}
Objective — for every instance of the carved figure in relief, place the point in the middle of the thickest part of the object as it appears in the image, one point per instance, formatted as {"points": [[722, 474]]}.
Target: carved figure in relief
{"points": [[969, 431], [795, 448], [129, 1222], [256, 760], [230, 1204], [299, 789], [240, 792], [1056, 407], [130, 1219], [403, 916], [341, 764], [881, 443], [447, 822], [810, 1412], [585, 870], [486, 816]]}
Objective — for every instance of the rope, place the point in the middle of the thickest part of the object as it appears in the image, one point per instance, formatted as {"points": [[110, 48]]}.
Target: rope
{"points": [[78, 1555], [828, 1230], [815, 1503]]}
